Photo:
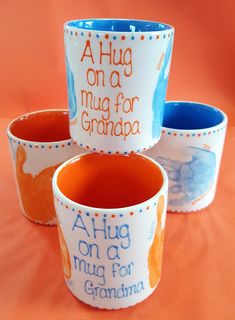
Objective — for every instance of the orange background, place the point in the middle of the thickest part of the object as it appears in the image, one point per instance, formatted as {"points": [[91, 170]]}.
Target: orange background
{"points": [[198, 280]]}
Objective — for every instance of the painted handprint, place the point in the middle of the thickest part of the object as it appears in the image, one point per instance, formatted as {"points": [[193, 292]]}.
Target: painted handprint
{"points": [[191, 179], [35, 191], [160, 91], [71, 91], [156, 249], [64, 254]]}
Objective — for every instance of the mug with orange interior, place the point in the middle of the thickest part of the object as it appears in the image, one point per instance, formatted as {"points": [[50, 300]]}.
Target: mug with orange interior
{"points": [[40, 142], [111, 212]]}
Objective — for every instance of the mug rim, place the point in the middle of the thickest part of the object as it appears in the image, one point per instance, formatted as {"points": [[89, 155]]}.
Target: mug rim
{"points": [[167, 27], [223, 123], [60, 194], [12, 136]]}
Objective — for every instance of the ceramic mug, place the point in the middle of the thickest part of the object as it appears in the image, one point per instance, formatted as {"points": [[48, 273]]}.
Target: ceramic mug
{"points": [[117, 74], [40, 142], [190, 150], [111, 217]]}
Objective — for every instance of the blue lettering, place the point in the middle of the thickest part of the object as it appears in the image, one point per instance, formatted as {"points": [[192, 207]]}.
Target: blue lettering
{"points": [[112, 252], [122, 271], [95, 229], [82, 226], [110, 293], [91, 269], [88, 249], [89, 289], [124, 234]]}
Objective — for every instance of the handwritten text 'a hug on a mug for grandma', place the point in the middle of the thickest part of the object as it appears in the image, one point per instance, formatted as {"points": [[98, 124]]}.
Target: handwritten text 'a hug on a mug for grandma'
{"points": [[101, 122], [115, 243]]}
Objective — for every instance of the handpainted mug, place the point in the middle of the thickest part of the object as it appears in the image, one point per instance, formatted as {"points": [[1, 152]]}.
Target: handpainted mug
{"points": [[190, 150], [117, 74], [111, 213], [40, 142]]}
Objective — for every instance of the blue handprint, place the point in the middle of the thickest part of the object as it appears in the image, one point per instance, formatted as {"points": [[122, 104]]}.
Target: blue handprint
{"points": [[160, 92], [192, 179], [71, 91]]}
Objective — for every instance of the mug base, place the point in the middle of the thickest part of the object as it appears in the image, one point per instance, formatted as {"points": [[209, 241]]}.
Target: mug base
{"points": [[119, 149], [198, 210]]}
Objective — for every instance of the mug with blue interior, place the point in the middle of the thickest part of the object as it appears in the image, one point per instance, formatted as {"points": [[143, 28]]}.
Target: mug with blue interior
{"points": [[117, 74], [190, 150]]}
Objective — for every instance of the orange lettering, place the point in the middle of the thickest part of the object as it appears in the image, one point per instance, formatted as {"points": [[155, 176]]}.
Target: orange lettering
{"points": [[128, 61], [91, 77], [118, 103], [109, 128], [95, 77], [115, 81], [87, 128], [116, 57], [125, 104], [89, 55], [160, 61], [116, 63], [89, 100], [108, 54]]}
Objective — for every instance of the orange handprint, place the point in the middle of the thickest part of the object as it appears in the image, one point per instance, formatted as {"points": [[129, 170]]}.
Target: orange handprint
{"points": [[35, 191], [156, 249], [65, 255]]}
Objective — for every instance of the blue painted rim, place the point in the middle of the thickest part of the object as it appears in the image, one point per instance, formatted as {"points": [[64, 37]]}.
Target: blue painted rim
{"points": [[118, 25], [192, 116]]}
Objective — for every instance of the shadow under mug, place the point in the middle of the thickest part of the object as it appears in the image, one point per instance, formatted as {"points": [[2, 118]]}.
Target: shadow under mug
{"points": [[111, 213], [39, 142], [117, 74], [190, 150]]}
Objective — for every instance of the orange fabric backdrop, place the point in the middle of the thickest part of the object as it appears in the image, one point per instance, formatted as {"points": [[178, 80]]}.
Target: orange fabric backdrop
{"points": [[198, 280]]}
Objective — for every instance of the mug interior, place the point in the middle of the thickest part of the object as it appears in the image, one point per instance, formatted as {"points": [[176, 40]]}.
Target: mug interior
{"points": [[43, 126], [110, 181], [118, 25], [191, 116]]}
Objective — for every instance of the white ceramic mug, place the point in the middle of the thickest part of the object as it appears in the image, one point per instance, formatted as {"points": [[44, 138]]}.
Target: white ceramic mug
{"points": [[117, 74], [39, 142], [111, 218], [190, 150]]}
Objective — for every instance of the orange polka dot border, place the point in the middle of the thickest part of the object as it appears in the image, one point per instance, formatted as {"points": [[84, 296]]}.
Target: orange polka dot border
{"points": [[195, 134], [131, 213], [72, 34], [41, 145]]}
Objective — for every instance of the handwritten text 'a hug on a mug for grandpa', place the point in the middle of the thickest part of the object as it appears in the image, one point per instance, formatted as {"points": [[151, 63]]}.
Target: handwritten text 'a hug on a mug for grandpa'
{"points": [[98, 77], [116, 242]]}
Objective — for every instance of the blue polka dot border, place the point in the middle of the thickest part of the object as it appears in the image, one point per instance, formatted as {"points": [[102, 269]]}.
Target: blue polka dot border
{"points": [[41, 146], [91, 148], [105, 215], [196, 134], [73, 34]]}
